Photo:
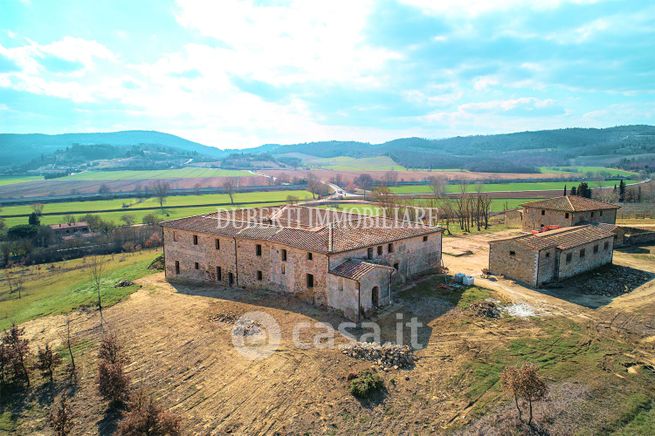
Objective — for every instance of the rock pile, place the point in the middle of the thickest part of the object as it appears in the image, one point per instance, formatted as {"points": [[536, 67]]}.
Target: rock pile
{"points": [[387, 356], [227, 317], [246, 327], [124, 284], [486, 309]]}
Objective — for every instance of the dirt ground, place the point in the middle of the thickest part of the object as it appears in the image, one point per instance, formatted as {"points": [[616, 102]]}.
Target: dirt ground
{"points": [[182, 354]]}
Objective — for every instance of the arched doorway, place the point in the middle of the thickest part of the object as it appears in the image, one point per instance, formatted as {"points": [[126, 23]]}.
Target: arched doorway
{"points": [[375, 296]]}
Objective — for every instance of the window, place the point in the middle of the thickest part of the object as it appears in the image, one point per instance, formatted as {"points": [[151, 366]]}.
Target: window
{"points": [[284, 255], [600, 213], [197, 265], [230, 279], [195, 239], [543, 212], [425, 238], [566, 215], [174, 237], [380, 250], [512, 253], [177, 267], [569, 257], [219, 274], [396, 266], [310, 256], [218, 244], [341, 284], [606, 245], [284, 269], [582, 253], [547, 254], [258, 250], [369, 253], [310, 281], [595, 248], [592, 214], [390, 248], [260, 276]]}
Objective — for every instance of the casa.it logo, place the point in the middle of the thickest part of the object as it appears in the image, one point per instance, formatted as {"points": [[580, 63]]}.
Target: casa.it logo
{"points": [[256, 335]]}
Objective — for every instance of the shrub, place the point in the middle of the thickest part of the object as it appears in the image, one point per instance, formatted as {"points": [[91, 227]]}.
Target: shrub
{"points": [[113, 384], [366, 384], [60, 418], [145, 417], [46, 362]]}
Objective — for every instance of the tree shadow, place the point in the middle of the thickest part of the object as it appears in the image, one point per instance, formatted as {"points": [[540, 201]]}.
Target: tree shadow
{"points": [[374, 399], [109, 422], [599, 287], [15, 398]]}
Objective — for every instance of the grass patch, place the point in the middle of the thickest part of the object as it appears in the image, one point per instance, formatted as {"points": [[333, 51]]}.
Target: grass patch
{"points": [[366, 384], [184, 173], [68, 286], [505, 187], [345, 163], [588, 171], [14, 180]]}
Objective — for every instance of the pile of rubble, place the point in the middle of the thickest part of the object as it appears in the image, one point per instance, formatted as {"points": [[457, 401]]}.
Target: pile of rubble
{"points": [[485, 309], [387, 356], [608, 281], [226, 318], [246, 327], [124, 284]]}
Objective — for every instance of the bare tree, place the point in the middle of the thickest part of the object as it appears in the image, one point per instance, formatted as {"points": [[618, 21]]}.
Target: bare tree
{"points": [[438, 186], [69, 345], [37, 208], [230, 188], [128, 220], [161, 190], [18, 349], [97, 270], [15, 280], [390, 178], [383, 196], [313, 185], [524, 383]]}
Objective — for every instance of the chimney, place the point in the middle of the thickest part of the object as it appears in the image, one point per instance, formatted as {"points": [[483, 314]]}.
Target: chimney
{"points": [[330, 238]]}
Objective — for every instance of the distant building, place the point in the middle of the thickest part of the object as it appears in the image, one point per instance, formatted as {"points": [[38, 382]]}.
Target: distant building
{"points": [[566, 211], [71, 229], [550, 256], [322, 256]]}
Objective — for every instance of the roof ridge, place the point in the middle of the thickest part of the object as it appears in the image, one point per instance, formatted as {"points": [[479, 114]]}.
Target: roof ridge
{"points": [[570, 204]]}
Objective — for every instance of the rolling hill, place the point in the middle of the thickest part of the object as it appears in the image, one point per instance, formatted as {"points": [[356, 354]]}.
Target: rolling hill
{"points": [[516, 152]]}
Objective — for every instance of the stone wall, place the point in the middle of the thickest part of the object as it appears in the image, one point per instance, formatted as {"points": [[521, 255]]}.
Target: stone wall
{"points": [[413, 256], [513, 260], [595, 216], [590, 260], [547, 266], [345, 294], [514, 218], [533, 218]]}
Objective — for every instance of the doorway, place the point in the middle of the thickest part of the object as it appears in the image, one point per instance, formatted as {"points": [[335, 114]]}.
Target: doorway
{"points": [[230, 279], [375, 296]]}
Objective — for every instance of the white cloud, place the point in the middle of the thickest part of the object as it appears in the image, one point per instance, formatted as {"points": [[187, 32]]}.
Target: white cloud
{"points": [[475, 8], [293, 42]]}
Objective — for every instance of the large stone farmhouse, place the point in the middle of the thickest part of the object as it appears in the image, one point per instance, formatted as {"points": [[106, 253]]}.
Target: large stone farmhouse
{"points": [[536, 259], [330, 258], [566, 211]]}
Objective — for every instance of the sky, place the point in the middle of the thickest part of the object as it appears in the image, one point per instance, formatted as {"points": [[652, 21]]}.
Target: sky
{"points": [[235, 74]]}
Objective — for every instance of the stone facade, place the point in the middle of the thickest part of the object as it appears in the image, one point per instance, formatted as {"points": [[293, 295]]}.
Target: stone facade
{"points": [[536, 218], [204, 255], [549, 257]]}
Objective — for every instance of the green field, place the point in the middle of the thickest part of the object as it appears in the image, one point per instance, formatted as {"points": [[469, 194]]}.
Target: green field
{"points": [[182, 173], [344, 163], [607, 172], [504, 187], [13, 180], [68, 285], [497, 205], [79, 208]]}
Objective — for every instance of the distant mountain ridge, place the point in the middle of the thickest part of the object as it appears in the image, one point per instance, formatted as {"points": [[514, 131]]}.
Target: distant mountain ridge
{"points": [[502, 152], [20, 148]]}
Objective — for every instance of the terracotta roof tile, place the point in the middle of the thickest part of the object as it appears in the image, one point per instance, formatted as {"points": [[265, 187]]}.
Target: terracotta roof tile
{"points": [[571, 203], [313, 229], [356, 269], [564, 238]]}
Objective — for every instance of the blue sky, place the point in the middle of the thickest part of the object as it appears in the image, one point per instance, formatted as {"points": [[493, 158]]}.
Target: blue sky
{"points": [[243, 73]]}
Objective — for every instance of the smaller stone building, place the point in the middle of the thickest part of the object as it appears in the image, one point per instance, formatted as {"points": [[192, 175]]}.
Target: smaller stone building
{"points": [[68, 230], [550, 256], [566, 211]]}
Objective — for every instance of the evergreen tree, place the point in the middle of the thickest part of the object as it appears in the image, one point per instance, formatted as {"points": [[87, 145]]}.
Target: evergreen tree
{"points": [[565, 190], [573, 191], [34, 219], [621, 191]]}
